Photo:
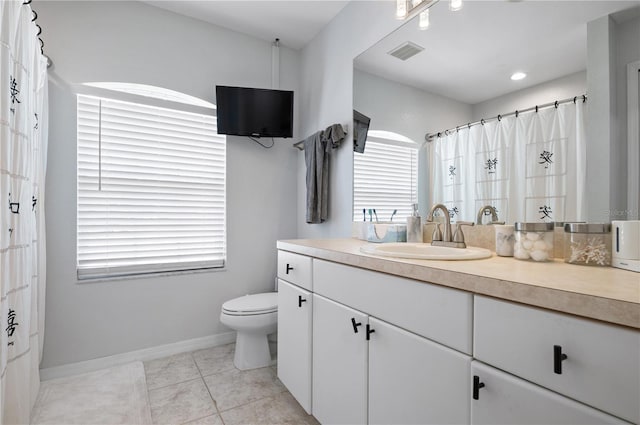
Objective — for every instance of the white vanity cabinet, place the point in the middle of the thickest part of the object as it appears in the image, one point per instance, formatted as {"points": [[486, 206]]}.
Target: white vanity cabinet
{"points": [[501, 398], [295, 307], [594, 363], [367, 370], [339, 363], [415, 381]]}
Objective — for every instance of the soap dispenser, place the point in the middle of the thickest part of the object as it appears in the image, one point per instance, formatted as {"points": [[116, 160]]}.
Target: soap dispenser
{"points": [[414, 226]]}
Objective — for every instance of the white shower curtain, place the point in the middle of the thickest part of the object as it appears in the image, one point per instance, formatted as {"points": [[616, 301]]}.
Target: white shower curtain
{"points": [[23, 143], [530, 167]]}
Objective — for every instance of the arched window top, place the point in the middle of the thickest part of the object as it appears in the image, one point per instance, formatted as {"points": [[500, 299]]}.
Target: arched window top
{"points": [[153, 92], [391, 137]]}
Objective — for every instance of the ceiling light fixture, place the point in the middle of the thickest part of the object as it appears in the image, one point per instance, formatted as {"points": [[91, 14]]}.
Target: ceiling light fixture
{"points": [[424, 20], [401, 9], [455, 5], [518, 76]]}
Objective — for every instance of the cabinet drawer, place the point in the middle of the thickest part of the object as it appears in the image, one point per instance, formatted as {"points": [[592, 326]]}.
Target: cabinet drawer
{"points": [[601, 369], [295, 268], [440, 314], [506, 399]]}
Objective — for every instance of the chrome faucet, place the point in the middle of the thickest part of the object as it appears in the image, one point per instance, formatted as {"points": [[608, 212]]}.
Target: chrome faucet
{"points": [[494, 215], [443, 238]]}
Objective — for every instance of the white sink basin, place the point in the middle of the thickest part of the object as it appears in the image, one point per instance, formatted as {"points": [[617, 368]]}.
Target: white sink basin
{"points": [[425, 251]]}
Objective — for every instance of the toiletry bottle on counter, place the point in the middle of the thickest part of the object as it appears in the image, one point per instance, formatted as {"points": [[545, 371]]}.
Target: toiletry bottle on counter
{"points": [[414, 226]]}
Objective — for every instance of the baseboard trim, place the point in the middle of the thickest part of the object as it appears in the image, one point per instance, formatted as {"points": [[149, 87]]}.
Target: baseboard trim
{"points": [[138, 355]]}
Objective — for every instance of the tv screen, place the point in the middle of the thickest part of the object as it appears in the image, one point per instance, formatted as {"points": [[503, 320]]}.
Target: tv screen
{"points": [[360, 129], [243, 111]]}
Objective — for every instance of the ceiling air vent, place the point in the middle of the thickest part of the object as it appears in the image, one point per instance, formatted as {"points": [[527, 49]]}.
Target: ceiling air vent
{"points": [[406, 50]]}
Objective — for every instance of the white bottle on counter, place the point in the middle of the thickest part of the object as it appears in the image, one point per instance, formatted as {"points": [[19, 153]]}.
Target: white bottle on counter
{"points": [[414, 226]]}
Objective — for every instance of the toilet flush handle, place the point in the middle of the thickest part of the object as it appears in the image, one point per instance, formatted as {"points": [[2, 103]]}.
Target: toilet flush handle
{"points": [[301, 300], [289, 268]]}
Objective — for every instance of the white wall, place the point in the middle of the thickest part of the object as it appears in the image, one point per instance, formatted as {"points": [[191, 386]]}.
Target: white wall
{"points": [[404, 109], [610, 47], [561, 88], [627, 51], [138, 43], [326, 85]]}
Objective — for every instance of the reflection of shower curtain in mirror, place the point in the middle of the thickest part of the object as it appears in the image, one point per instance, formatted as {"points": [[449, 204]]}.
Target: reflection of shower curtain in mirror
{"points": [[23, 126], [530, 167]]}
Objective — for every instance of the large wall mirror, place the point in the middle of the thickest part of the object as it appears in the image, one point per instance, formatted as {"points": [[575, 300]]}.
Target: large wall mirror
{"points": [[416, 82]]}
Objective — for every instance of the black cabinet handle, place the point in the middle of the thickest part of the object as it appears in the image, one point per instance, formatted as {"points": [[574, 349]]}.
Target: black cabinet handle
{"points": [[369, 332], [476, 387], [301, 300], [558, 358], [289, 268], [355, 325]]}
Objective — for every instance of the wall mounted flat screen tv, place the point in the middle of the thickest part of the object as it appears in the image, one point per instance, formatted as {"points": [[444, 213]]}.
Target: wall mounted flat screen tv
{"points": [[360, 129], [243, 111]]}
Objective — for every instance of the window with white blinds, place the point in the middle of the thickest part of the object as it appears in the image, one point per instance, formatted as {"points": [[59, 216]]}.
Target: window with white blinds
{"points": [[385, 178], [151, 189]]}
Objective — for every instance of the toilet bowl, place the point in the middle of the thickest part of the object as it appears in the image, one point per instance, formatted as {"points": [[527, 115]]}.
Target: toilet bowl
{"points": [[253, 317]]}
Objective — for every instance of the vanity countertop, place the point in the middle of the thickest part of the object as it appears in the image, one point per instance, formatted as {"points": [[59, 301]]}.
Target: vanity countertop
{"points": [[601, 293]]}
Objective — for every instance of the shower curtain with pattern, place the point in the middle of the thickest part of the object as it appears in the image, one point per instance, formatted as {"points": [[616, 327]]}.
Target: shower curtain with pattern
{"points": [[23, 150], [530, 167]]}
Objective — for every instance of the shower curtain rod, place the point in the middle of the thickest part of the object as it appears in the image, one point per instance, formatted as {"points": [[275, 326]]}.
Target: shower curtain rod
{"points": [[429, 137], [35, 16]]}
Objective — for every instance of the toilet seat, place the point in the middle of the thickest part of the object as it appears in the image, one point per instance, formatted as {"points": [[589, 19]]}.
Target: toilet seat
{"points": [[251, 305]]}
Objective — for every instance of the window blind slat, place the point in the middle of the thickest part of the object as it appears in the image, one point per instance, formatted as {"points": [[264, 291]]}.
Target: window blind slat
{"points": [[385, 179], [151, 189]]}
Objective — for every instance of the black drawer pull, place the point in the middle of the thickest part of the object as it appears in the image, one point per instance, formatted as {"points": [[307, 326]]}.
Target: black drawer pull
{"points": [[355, 325], [369, 332], [476, 387], [289, 268], [301, 300], [558, 358]]}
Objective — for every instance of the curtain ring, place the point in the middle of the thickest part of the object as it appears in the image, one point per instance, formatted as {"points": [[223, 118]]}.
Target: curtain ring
{"points": [[26, 2], [39, 29], [41, 46], [499, 117], [584, 98], [517, 113], [469, 125], [439, 135], [482, 121], [458, 129], [35, 15], [446, 132], [574, 99], [536, 109], [556, 104]]}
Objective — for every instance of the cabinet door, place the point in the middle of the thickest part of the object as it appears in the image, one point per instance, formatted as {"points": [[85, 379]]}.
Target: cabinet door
{"points": [[294, 341], [506, 399], [601, 367], [415, 381], [339, 363]]}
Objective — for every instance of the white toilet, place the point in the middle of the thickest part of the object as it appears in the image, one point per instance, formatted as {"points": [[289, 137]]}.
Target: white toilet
{"points": [[253, 317]]}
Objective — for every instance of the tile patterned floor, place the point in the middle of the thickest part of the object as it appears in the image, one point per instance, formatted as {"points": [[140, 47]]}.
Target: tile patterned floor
{"points": [[203, 387]]}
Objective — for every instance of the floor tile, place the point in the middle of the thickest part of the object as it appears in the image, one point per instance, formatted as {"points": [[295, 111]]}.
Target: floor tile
{"points": [[234, 388], [170, 370], [280, 409], [180, 403], [116, 395], [209, 420], [215, 359]]}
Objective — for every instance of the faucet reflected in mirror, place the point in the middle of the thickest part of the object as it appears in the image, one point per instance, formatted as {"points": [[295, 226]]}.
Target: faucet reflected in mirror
{"points": [[492, 211]]}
